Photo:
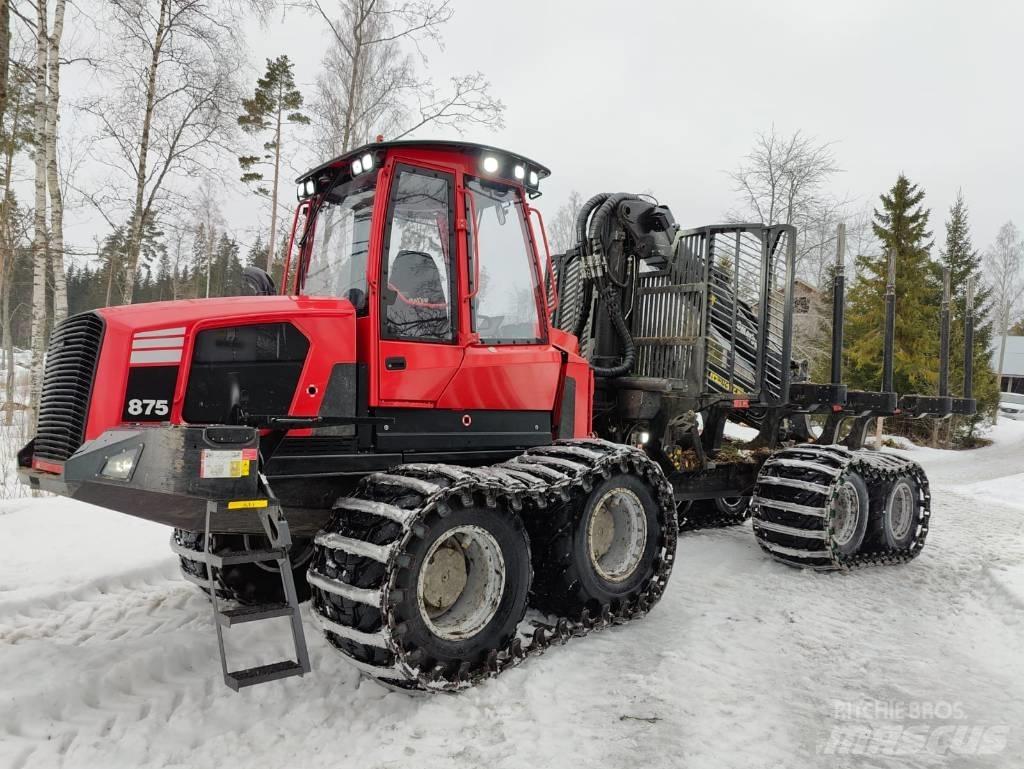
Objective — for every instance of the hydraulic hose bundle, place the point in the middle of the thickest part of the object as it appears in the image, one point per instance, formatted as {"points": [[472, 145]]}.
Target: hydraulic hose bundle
{"points": [[597, 230]]}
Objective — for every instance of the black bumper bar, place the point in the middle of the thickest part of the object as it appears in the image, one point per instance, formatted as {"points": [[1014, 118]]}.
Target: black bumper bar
{"points": [[174, 472]]}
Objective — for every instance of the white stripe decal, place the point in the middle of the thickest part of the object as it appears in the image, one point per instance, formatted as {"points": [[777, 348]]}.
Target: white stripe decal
{"points": [[156, 356], [161, 332], [147, 344]]}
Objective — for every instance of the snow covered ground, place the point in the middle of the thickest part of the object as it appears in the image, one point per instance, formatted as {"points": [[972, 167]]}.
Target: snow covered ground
{"points": [[108, 659]]}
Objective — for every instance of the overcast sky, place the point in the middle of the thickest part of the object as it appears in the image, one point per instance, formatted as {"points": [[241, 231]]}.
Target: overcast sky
{"points": [[667, 96]]}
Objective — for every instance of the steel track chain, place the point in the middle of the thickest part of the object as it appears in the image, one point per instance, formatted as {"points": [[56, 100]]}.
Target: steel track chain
{"points": [[827, 467], [710, 517], [562, 473]]}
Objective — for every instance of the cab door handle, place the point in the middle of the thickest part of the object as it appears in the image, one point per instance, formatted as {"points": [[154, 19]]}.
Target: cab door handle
{"points": [[396, 363]]}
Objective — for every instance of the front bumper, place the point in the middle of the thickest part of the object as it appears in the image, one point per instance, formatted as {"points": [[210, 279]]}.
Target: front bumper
{"points": [[176, 471]]}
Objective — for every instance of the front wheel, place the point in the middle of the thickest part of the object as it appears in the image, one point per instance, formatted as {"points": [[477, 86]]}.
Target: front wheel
{"points": [[464, 590], [847, 515]]}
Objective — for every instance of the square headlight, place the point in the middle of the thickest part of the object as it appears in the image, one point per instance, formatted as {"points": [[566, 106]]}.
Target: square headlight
{"points": [[119, 466]]}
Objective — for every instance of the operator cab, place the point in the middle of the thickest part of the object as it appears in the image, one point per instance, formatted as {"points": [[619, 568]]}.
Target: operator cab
{"points": [[435, 199], [435, 246]]}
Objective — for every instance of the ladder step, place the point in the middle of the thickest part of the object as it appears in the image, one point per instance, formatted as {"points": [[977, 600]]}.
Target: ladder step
{"points": [[245, 556], [239, 679], [241, 614]]}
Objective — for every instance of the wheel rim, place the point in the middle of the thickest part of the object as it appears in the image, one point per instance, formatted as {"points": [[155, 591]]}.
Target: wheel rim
{"points": [[297, 557], [617, 535], [845, 514], [461, 582], [732, 504], [901, 510]]}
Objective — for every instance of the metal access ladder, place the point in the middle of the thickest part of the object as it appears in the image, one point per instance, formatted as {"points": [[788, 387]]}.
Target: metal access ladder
{"points": [[276, 527]]}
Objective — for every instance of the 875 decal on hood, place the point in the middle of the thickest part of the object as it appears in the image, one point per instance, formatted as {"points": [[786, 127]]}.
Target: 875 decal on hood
{"points": [[148, 396]]}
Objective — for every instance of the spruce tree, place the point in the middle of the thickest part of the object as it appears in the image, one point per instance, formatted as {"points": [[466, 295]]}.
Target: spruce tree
{"points": [[275, 103], [901, 227], [963, 263]]}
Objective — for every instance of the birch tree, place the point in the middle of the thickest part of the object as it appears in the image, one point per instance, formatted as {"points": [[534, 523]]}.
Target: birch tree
{"points": [[783, 181], [1004, 267], [168, 106], [5, 54], [55, 246], [15, 136], [563, 225], [39, 260], [370, 84]]}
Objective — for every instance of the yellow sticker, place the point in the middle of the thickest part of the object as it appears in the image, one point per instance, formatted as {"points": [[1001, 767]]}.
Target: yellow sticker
{"points": [[246, 504], [724, 383]]}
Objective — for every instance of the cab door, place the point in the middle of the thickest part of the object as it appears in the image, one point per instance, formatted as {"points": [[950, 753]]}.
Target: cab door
{"points": [[510, 365], [419, 351]]}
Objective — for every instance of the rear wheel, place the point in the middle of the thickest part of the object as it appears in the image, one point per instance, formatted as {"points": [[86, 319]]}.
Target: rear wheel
{"points": [[247, 583], [605, 555], [737, 508], [897, 523]]}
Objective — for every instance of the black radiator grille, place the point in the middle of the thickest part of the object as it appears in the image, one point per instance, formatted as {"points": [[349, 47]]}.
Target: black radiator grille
{"points": [[67, 385]]}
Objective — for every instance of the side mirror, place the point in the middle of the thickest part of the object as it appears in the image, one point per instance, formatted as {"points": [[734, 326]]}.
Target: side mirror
{"points": [[257, 282]]}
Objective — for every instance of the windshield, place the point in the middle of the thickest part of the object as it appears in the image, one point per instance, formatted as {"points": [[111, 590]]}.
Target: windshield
{"points": [[505, 306], [336, 265]]}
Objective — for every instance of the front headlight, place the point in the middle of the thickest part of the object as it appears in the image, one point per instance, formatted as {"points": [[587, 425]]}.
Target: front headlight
{"points": [[119, 467]]}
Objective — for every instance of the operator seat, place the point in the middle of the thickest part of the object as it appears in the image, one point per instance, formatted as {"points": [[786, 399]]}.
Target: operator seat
{"points": [[415, 305]]}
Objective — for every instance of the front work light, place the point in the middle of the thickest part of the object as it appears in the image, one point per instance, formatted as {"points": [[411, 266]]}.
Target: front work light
{"points": [[119, 466], [367, 161], [490, 164], [519, 172], [534, 179], [357, 167]]}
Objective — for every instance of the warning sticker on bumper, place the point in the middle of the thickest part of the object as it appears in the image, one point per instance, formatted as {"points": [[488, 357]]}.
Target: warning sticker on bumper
{"points": [[215, 463]]}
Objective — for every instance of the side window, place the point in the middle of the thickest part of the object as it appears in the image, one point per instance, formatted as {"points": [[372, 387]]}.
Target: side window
{"points": [[416, 302], [505, 301]]}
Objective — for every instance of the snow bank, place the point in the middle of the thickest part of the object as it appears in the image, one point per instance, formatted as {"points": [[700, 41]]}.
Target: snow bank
{"points": [[108, 659]]}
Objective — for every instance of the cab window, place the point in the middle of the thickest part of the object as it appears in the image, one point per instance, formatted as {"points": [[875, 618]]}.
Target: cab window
{"points": [[416, 302], [504, 307], [341, 237]]}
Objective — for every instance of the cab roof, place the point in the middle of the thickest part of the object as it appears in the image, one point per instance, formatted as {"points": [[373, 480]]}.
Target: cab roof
{"points": [[454, 146]]}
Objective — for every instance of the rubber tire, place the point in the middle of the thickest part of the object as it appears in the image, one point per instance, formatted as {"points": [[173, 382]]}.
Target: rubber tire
{"points": [[881, 523], [857, 540], [573, 584], [246, 583], [739, 510], [508, 531]]}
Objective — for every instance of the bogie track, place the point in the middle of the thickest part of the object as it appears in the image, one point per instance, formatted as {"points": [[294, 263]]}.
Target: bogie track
{"points": [[826, 507], [369, 560]]}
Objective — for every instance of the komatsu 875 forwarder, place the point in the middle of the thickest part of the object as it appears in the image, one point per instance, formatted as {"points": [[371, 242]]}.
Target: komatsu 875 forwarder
{"points": [[437, 425]]}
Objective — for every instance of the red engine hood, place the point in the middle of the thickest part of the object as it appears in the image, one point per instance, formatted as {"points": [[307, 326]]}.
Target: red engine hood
{"points": [[163, 333], [220, 311]]}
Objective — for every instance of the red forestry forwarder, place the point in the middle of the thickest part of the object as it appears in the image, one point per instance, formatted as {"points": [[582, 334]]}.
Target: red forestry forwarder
{"points": [[427, 433]]}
